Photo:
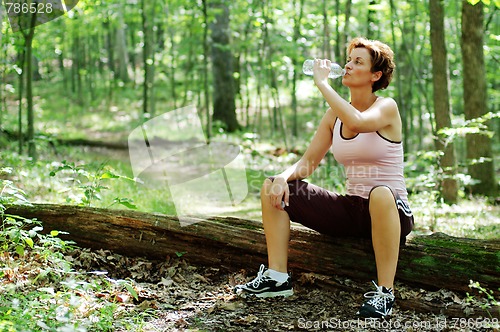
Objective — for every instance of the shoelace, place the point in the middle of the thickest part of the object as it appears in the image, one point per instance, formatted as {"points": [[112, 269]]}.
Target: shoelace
{"points": [[378, 298], [259, 278]]}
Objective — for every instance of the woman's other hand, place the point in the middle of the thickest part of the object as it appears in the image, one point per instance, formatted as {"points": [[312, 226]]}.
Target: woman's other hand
{"points": [[279, 192]]}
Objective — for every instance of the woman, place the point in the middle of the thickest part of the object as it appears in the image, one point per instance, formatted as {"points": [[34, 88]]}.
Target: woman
{"points": [[365, 136]]}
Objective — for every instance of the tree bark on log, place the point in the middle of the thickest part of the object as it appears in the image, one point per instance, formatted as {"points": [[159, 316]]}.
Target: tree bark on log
{"points": [[431, 262]]}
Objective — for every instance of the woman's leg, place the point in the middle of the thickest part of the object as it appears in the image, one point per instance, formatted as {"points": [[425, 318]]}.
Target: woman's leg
{"points": [[386, 233], [277, 229]]}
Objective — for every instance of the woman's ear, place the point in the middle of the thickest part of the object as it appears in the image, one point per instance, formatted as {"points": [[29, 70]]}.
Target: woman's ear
{"points": [[376, 76]]}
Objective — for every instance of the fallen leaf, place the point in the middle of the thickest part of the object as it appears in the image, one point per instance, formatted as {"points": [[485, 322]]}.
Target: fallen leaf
{"points": [[247, 320]]}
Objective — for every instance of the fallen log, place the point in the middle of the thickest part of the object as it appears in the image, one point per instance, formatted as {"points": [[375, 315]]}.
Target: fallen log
{"points": [[53, 141], [431, 262]]}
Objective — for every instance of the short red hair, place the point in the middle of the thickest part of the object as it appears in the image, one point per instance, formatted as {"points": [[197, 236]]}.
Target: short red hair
{"points": [[382, 58]]}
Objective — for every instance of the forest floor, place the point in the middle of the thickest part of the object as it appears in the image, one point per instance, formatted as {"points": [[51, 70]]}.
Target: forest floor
{"points": [[173, 295], [182, 297]]}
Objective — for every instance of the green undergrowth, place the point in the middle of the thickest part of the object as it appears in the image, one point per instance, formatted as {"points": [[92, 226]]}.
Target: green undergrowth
{"points": [[41, 291]]}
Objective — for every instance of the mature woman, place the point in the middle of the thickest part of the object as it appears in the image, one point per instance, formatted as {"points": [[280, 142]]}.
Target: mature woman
{"points": [[365, 136]]}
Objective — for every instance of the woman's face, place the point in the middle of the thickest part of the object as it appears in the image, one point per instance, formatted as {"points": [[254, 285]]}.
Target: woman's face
{"points": [[358, 69]]}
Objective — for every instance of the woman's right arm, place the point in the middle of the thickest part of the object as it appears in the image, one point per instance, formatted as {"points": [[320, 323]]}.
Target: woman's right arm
{"points": [[316, 151]]}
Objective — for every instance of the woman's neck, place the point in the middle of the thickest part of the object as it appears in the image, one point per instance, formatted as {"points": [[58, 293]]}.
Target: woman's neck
{"points": [[362, 99]]}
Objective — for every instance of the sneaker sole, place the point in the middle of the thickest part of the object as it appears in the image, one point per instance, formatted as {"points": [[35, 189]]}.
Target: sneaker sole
{"points": [[365, 314], [284, 293]]}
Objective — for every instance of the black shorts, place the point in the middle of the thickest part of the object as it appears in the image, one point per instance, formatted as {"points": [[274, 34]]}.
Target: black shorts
{"points": [[338, 215]]}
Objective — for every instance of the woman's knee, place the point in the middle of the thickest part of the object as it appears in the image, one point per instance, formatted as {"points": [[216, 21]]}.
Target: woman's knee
{"points": [[381, 196]]}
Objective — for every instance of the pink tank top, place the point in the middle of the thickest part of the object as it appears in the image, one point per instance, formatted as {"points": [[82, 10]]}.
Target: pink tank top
{"points": [[369, 160]]}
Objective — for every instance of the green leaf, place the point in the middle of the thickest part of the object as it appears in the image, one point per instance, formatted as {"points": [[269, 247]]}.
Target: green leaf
{"points": [[473, 2], [29, 242], [109, 175], [132, 291], [125, 202], [54, 233], [180, 253], [20, 250]]}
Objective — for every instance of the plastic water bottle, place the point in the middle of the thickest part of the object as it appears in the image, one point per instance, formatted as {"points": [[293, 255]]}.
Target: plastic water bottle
{"points": [[335, 71]]}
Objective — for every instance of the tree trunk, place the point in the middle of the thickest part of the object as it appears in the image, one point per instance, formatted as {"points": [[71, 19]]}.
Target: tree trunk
{"points": [[346, 31], [224, 103], [295, 62], [442, 110], [327, 50], [29, 96], [431, 262], [370, 20], [121, 49], [148, 57], [28, 46], [76, 69], [22, 61], [479, 151], [206, 91]]}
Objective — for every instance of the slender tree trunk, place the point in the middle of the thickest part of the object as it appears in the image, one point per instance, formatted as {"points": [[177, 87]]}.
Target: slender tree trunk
{"points": [[260, 76], [109, 44], [28, 60], [295, 62], [370, 20], [245, 74], [132, 55], [5, 52], [121, 49], [399, 84], [205, 70], [327, 50], [267, 66], [75, 69], [479, 150], [146, 54], [338, 39], [345, 33], [22, 61], [29, 92], [60, 59], [155, 42], [173, 90], [442, 110], [91, 68], [222, 60]]}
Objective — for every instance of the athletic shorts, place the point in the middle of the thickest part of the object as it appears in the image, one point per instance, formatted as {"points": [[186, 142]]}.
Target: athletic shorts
{"points": [[338, 215]]}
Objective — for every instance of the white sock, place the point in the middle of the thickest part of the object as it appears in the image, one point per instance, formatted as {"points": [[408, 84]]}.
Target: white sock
{"points": [[278, 276]]}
